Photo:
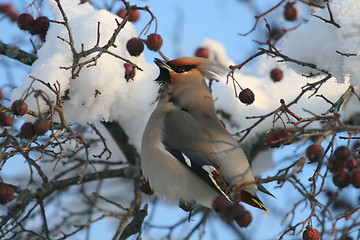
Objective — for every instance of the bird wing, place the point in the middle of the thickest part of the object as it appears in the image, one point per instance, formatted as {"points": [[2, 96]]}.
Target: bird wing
{"points": [[189, 142]]}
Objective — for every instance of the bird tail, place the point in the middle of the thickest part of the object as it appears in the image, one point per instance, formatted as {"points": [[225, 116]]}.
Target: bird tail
{"points": [[253, 200]]}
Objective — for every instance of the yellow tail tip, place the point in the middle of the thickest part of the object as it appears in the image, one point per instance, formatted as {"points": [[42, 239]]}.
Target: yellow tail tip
{"points": [[261, 206]]}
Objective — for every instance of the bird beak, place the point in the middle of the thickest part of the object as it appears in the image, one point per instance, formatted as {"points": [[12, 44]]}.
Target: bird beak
{"points": [[162, 64]]}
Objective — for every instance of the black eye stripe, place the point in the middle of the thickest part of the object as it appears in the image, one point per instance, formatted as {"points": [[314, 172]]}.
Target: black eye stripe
{"points": [[182, 69]]}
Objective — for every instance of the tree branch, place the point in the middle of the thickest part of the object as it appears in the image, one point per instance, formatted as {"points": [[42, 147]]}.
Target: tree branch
{"points": [[16, 53]]}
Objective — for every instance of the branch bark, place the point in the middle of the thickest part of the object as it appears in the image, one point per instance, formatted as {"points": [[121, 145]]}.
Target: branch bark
{"points": [[16, 53]]}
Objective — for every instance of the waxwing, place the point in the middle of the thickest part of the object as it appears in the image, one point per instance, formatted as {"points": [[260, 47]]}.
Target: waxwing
{"points": [[187, 155]]}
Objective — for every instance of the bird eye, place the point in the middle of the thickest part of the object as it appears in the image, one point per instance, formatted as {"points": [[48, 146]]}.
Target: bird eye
{"points": [[181, 70]]}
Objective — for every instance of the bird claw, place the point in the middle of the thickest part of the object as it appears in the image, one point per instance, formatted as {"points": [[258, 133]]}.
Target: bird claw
{"points": [[187, 207]]}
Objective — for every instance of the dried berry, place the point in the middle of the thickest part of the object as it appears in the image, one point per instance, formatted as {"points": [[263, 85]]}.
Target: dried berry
{"points": [[354, 177], [134, 15], [19, 107], [247, 96], [279, 136], [311, 233], [130, 71], [352, 163], [135, 46], [276, 33], [290, 12], [334, 165], [220, 204], [154, 42], [6, 8], [235, 212], [27, 130], [202, 52], [276, 74], [244, 220], [25, 21], [6, 193], [40, 25], [144, 186], [314, 153], [342, 153], [41, 126], [6, 120], [341, 178]]}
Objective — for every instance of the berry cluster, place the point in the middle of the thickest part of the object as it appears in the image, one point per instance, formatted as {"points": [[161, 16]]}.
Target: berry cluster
{"points": [[40, 127], [25, 21], [345, 166], [38, 26], [135, 46], [134, 15], [232, 211], [28, 129]]}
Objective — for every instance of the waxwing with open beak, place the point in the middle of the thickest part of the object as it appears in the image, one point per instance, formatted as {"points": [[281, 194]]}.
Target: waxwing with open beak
{"points": [[187, 155]]}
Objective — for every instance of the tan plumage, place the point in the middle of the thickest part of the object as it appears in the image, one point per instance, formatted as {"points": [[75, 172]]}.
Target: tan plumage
{"points": [[186, 153]]}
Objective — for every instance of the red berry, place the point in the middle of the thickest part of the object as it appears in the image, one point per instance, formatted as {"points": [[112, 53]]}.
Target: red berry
{"points": [[352, 163], [202, 52], [334, 165], [276, 33], [154, 42], [290, 12], [40, 25], [25, 21], [314, 153], [244, 220], [130, 71], [6, 193], [135, 46], [342, 153], [134, 15], [220, 204], [279, 136], [276, 74], [6, 120], [19, 107], [1, 94], [27, 130], [236, 212], [6, 8], [144, 186], [41, 126], [341, 178], [247, 96], [311, 234], [354, 177]]}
